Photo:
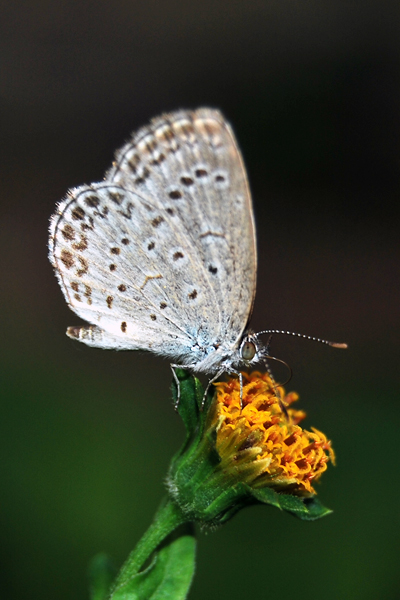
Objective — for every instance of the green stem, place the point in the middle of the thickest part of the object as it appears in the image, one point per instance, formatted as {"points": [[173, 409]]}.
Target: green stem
{"points": [[168, 517]]}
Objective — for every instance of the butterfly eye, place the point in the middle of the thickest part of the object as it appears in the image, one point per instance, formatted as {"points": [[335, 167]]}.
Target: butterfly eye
{"points": [[248, 350]]}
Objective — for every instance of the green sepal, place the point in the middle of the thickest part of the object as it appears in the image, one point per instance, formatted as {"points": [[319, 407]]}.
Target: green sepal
{"points": [[232, 500], [101, 574], [304, 508], [315, 509], [190, 409], [191, 396], [169, 574]]}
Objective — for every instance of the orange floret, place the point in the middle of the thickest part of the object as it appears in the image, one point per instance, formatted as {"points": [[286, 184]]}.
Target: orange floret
{"points": [[284, 456]]}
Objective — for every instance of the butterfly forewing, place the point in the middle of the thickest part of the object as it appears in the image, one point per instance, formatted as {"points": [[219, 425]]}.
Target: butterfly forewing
{"points": [[191, 160]]}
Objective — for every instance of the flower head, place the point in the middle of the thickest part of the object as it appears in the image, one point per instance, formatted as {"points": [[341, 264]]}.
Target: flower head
{"points": [[284, 456], [235, 456]]}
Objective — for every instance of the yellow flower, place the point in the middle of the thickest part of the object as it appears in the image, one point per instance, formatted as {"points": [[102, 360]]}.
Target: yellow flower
{"points": [[283, 456], [235, 457]]}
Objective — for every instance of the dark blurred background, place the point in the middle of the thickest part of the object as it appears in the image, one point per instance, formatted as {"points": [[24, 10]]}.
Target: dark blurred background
{"points": [[313, 92]]}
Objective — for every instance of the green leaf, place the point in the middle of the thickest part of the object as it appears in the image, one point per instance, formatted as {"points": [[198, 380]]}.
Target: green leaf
{"points": [[315, 510], [266, 495], [307, 509], [101, 575], [167, 577]]}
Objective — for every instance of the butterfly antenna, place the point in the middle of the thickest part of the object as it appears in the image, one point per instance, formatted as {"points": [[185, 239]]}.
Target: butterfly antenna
{"points": [[271, 332]]}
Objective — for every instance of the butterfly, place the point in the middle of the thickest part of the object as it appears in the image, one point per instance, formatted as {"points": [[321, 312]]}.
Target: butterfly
{"points": [[161, 255]]}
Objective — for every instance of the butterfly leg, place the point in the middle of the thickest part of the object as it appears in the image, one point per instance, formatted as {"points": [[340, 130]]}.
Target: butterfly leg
{"points": [[276, 390], [241, 388], [218, 374], [211, 381], [178, 385], [240, 377]]}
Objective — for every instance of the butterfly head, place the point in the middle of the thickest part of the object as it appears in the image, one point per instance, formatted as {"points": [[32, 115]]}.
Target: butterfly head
{"points": [[251, 350]]}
